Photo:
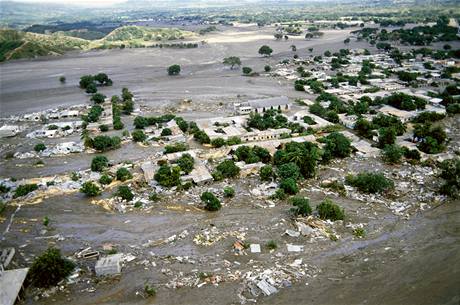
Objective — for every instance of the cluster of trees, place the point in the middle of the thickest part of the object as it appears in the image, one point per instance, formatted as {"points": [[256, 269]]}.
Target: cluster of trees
{"points": [[431, 138], [404, 101], [370, 182], [101, 142], [93, 115], [219, 142], [90, 82], [176, 147], [450, 172], [226, 169], [141, 122], [269, 119], [252, 154], [336, 146], [174, 69]]}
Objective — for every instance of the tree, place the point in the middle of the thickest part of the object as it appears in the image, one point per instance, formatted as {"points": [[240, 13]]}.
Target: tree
{"points": [[267, 68], [91, 88], [62, 79], [218, 142], [105, 179], [229, 192], [86, 80], [39, 147], [166, 132], [329, 210], [451, 174], [103, 79], [364, 128], [346, 41], [232, 61], [174, 70], [138, 136], [103, 128], [301, 206], [168, 176], [392, 154], [186, 163], [228, 169], [293, 48], [124, 192], [140, 122], [278, 36], [247, 70], [104, 143], [337, 145], [99, 163], [50, 268], [90, 189], [370, 182], [98, 98], [123, 174], [289, 186], [265, 50], [288, 170], [210, 201], [266, 173], [387, 136]]}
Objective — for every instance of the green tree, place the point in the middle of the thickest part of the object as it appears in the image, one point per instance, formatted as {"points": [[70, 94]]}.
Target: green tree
{"points": [[266, 173], [265, 50], [99, 163], [124, 192], [229, 192], [327, 209], [387, 136], [168, 176], [98, 98], [123, 174], [174, 70], [86, 80], [49, 269], [267, 68], [289, 186], [218, 142], [228, 169], [186, 163], [210, 201], [39, 147], [370, 182], [232, 61], [288, 170], [392, 154], [301, 206], [138, 135], [166, 132], [90, 189], [91, 88], [247, 70], [337, 145], [105, 179], [24, 189]]}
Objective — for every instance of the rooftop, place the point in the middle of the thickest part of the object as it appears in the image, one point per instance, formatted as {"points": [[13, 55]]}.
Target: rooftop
{"points": [[10, 284]]}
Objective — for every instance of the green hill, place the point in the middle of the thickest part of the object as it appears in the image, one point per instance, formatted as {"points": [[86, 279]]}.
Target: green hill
{"points": [[16, 44]]}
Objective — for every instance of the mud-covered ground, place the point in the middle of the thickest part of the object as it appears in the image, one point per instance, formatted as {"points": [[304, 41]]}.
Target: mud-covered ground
{"points": [[410, 257]]}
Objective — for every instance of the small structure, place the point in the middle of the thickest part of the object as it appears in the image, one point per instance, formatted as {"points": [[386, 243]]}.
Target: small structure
{"points": [[403, 115], [108, 265], [199, 175], [149, 170], [261, 105], [11, 282], [7, 131]]}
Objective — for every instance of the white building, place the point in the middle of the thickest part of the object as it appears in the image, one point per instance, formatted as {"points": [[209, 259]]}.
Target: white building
{"points": [[261, 105]]}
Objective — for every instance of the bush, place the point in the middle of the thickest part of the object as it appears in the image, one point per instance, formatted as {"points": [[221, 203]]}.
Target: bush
{"points": [[233, 141], [247, 70], [105, 179], [412, 154], [392, 154], [138, 136], [271, 245], [103, 128], [452, 109], [218, 142], [329, 210], [451, 174], [210, 201], [288, 170], [168, 176], [387, 136], [267, 68], [98, 98], [266, 173], [337, 145], [229, 192], [289, 186], [99, 163], [174, 70], [104, 143], [201, 137], [154, 197], [175, 148], [123, 174], [140, 122], [301, 206], [49, 269], [124, 192], [24, 189], [186, 163], [370, 182], [90, 189], [228, 169], [166, 132], [217, 175], [118, 124], [39, 147]]}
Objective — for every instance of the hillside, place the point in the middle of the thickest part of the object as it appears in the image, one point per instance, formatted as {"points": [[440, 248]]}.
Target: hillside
{"points": [[16, 44]]}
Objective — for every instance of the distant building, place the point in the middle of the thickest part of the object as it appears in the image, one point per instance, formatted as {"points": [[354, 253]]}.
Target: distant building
{"points": [[9, 131], [261, 105]]}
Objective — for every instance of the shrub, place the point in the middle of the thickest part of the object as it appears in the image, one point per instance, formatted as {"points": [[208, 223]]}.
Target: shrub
{"points": [[154, 197], [229, 192], [210, 201], [74, 176], [271, 245], [218, 142], [370, 182], [62, 79], [168, 176], [217, 175], [452, 109], [140, 122], [174, 70], [387, 136], [233, 141], [359, 232], [98, 98], [138, 135], [124, 192], [104, 143], [90, 189], [166, 132], [49, 269], [4, 188], [99, 163], [279, 194], [288, 170], [105, 179], [337, 145], [123, 174], [412, 154], [301, 206], [289, 186], [329, 210], [201, 137], [228, 169], [186, 163], [267, 68], [392, 154], [39, 147], [451, 174], [247, 70], [24, 189], [175, 148], [266, 173], [118, 124]]}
